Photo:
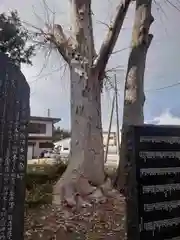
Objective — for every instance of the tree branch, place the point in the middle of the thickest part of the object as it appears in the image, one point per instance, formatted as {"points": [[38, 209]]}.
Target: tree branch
{"points": [[61, 42], [143, 21], [82, 28], [111, 38], [56, 36], [53, 34]]}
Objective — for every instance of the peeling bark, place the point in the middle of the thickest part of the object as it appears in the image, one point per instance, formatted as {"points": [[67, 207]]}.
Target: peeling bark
{"points": [[82, 29], [86, 122], [86, 166], [134, 97], [84, 177]]}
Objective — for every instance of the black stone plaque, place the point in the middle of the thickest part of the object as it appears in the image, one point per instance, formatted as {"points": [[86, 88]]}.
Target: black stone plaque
{"points": [[153, 183], [14, 118]]}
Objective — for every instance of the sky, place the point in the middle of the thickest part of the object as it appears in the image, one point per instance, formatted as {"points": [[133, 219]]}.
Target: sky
{"points": [[49, 80]]}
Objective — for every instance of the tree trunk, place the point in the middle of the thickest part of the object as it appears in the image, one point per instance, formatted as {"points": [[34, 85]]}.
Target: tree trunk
{"points": [[86, 166], [134, 85], [84, 176]]}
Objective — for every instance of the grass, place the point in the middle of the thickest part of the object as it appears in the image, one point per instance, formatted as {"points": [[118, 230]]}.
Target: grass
{"points": [[43, 221], [40, 180], [39, 183]]}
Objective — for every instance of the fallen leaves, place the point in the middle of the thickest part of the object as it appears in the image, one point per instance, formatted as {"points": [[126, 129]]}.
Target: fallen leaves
{"points": [[103, 220]]}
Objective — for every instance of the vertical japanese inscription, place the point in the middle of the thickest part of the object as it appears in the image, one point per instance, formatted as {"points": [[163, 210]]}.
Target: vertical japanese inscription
{"points": [[14, 117], [156, 161]]}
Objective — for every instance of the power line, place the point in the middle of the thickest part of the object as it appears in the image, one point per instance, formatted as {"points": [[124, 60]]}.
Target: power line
{"points": [[165, 87], [45, 75]]}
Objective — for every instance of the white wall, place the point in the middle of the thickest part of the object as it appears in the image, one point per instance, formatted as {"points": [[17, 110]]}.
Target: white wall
{"points": [[112, 140], [37, 151], [64, 143], [112, 149], [30, 153], [49, 128]]}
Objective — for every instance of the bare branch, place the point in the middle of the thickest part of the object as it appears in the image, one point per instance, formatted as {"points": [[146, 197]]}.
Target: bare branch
{"points": [[103, 23], [37, 77], [32, 26], [55, 36], [46, 13], [37, 16], [159, 7], [111, 38], [46, 59], [115, 69], [160, 10], [62, 43], [173, 5], [121, 50]]}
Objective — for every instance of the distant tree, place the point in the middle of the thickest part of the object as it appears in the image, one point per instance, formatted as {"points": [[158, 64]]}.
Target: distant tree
{"points": [[59, 134], [14, 39]]}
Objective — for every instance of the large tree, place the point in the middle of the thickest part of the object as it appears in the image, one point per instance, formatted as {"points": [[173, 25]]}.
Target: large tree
{"points": [[85, 172], [14, 39], [134, 96]]}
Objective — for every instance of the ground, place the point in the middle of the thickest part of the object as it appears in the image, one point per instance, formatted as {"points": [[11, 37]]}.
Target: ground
{"points": [[99, 221], [43, 221]]}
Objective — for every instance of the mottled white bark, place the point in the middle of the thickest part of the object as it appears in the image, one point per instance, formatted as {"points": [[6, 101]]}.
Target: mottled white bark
{"points": [[86, 164], [84, 176], [86, 122], [134, 97]]}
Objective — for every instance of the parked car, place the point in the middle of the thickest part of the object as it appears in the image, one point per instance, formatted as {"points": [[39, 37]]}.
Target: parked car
{"points": [[49, 154]]}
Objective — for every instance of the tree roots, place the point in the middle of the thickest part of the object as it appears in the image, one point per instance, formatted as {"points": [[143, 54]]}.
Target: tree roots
{"points": [[78, 192]]}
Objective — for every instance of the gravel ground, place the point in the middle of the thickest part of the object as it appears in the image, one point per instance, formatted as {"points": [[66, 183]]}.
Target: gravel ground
{"points": [[99, 221]]}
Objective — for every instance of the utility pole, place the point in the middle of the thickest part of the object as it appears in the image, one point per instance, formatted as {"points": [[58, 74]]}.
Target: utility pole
{"points": [[109, 130], [117, 119], [48, 112]]}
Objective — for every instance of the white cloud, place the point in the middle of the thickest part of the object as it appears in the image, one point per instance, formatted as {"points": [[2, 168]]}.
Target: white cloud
{"points": [[166, 118]]}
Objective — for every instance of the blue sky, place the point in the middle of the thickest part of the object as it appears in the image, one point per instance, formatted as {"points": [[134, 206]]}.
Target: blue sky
{"points": [[50, 87]]}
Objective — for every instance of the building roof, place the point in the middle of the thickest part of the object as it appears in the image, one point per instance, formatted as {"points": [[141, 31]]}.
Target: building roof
{"points": [[65, 141], [47, 138], [46, 119], [106, 132]]}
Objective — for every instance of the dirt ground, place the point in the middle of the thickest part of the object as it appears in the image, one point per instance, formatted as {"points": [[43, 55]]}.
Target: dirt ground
{"points": [[99, 221]]}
